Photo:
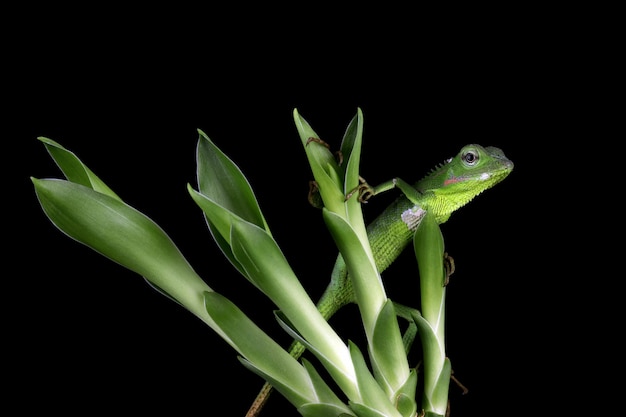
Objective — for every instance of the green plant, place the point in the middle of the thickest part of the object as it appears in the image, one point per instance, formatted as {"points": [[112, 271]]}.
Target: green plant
{"points": [[374, 381]]}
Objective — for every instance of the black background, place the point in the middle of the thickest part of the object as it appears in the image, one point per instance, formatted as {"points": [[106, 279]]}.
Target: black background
{"points": [[127, 95]]}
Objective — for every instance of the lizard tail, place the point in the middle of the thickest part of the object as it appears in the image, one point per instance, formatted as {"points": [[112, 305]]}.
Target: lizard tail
{"points": [[296, 350], [260, 401]]}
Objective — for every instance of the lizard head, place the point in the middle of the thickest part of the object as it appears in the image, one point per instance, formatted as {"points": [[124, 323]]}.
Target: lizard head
{"points": [[458, 180]]}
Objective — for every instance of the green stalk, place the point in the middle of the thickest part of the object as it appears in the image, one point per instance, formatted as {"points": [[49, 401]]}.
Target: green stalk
{"points": [[429, 252], [344, 219]]}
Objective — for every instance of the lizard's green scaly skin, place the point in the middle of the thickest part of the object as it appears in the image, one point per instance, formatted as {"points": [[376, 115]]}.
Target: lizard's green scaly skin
{"points": [[444, 190]]}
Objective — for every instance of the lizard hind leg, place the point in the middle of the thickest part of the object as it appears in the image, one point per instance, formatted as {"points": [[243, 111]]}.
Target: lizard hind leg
{"points": [[314, 197], [260, 401], [449, 267]]}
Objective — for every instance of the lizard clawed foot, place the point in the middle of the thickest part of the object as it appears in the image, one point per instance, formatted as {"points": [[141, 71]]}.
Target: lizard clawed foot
{"points": [[338, 154], [317, 140], [364, 189], [448, 265], [314, 195]]}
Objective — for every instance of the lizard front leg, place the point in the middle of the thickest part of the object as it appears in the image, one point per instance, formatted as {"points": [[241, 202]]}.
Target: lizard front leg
{"points": [[366, 191]]}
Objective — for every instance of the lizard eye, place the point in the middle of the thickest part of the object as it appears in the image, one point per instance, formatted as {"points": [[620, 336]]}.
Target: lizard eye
{"points": [[470, 158]]}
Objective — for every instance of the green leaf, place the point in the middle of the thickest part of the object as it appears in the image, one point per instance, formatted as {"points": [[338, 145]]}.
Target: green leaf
{"points": [[261, 353], [389, 359], [266, 267], [439, 395], [286, 389], [323, 392], [327, 362], [434, 355], [405, 399], [77, 172], [351, 149], [429, 248], [219, 220], [124, 235], [350, 139], [74, 170], [221, 181], [224, 193], [325, 170], [372, 394], [324, 410], [406, 405], [436, 367], [368, 287], [363, 410]]}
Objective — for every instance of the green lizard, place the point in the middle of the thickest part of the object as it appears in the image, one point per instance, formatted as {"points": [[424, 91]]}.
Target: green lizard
{"points": [[447, 187]]}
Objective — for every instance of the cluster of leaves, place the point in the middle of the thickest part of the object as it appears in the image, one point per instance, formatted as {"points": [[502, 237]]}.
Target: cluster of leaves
{"points": [[87, 210]]}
